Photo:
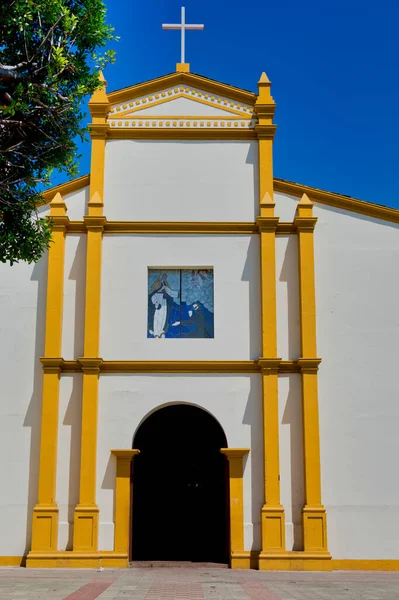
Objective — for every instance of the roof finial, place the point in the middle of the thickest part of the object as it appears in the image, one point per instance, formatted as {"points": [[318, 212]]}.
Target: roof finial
{"points": [[264, 85]]}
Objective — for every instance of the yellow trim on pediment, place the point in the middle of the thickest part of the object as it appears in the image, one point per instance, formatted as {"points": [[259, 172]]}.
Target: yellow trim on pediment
{"points": [[177, 79], [377, 211], [114, 114], [186, 117], [75, 185]]}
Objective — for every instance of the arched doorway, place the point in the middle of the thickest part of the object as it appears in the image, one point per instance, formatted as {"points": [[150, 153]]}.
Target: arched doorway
{"points": [[180, 488]]}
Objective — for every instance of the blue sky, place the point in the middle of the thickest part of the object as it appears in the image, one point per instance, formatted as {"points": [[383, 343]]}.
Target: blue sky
{"points": [[333, 67]]}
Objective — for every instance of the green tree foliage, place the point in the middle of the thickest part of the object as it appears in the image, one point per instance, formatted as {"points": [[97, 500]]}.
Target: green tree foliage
{"points": [[51, 52]]}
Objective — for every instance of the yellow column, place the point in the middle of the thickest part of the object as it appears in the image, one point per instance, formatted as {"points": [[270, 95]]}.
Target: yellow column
{"points": [[45, 513], [122, 499], [85, 538], [239, 558], [314, 513], [272, 514]]}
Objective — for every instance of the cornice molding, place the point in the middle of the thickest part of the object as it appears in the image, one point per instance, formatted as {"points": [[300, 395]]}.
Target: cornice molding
{"points": [[229, 366], [308, 366], [94, 222], [51, 365], [269, 366], [174, 227], [99, 130], [232, 453], [369, 209], [265, 132], [305, 223], [127, 454], [91, 366], [180, 366], [185, 227], [267, 223], [181, 134], [60, 223]]}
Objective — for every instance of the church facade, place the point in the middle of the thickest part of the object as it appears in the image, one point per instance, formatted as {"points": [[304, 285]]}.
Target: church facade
{"points": [[203, 367]]}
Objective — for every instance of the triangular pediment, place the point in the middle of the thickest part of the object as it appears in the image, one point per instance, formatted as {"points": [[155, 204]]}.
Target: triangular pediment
{"points": [[182, 100]]}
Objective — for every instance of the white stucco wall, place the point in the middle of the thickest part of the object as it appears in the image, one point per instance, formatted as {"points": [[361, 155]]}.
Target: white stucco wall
{"points": [[147, 180], [22, 320], [357, 285], [68, 456], [124, 299], [285, 207], [74, 296], [291, 458], [287, 297], [234, 400], [76, 203]]}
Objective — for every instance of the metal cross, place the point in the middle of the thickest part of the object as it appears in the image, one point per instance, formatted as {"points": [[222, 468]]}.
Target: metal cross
{"points": [[182, 26]]}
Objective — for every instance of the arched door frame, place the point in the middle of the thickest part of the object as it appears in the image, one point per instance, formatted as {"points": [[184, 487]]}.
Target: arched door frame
{"points": [[222, 441]]}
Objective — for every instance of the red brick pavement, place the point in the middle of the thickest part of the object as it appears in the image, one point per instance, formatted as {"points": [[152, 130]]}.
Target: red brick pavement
{"points": [[172, 591], [90, 591], [257, 590]]}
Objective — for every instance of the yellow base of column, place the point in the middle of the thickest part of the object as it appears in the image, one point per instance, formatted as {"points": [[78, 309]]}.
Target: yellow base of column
{"points": [[76, 560], [273, 528], [295, 561], [244, 560], [314, 521], [85, 529], [45, 528]]}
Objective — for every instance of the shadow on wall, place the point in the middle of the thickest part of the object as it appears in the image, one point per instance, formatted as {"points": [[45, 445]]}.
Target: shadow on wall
{"points": [[78, 274], [253, 159], [33, 414], [253, 418], [292, 416], [289, 274], [73, 419], [251, 273]]}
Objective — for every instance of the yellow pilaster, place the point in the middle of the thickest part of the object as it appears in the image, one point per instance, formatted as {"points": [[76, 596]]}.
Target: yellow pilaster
{"points": [[122, 498], [314, 513], [45, 513], [235, 456], [85, 537], [272, 514], [99, 107], [265, 130]]}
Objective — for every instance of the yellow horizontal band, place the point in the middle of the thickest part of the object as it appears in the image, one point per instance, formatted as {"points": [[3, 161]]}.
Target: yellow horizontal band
{"points": [[176, 227], [154, 366], [182, 134]]}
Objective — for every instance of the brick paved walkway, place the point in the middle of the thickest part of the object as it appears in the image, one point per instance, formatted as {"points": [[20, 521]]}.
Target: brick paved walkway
{"points": [[184, 583]]}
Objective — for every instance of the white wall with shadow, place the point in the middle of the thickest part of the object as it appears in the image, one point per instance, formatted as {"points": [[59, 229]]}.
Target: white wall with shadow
{"points": [[22, 326], [287, 295], [126, 400], [68, 458], [285, 206], [77, 204], [74, 296], [291, 457]]}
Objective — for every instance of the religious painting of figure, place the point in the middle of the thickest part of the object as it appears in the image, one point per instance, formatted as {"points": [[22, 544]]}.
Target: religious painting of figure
{"points": [[180, 303]]}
